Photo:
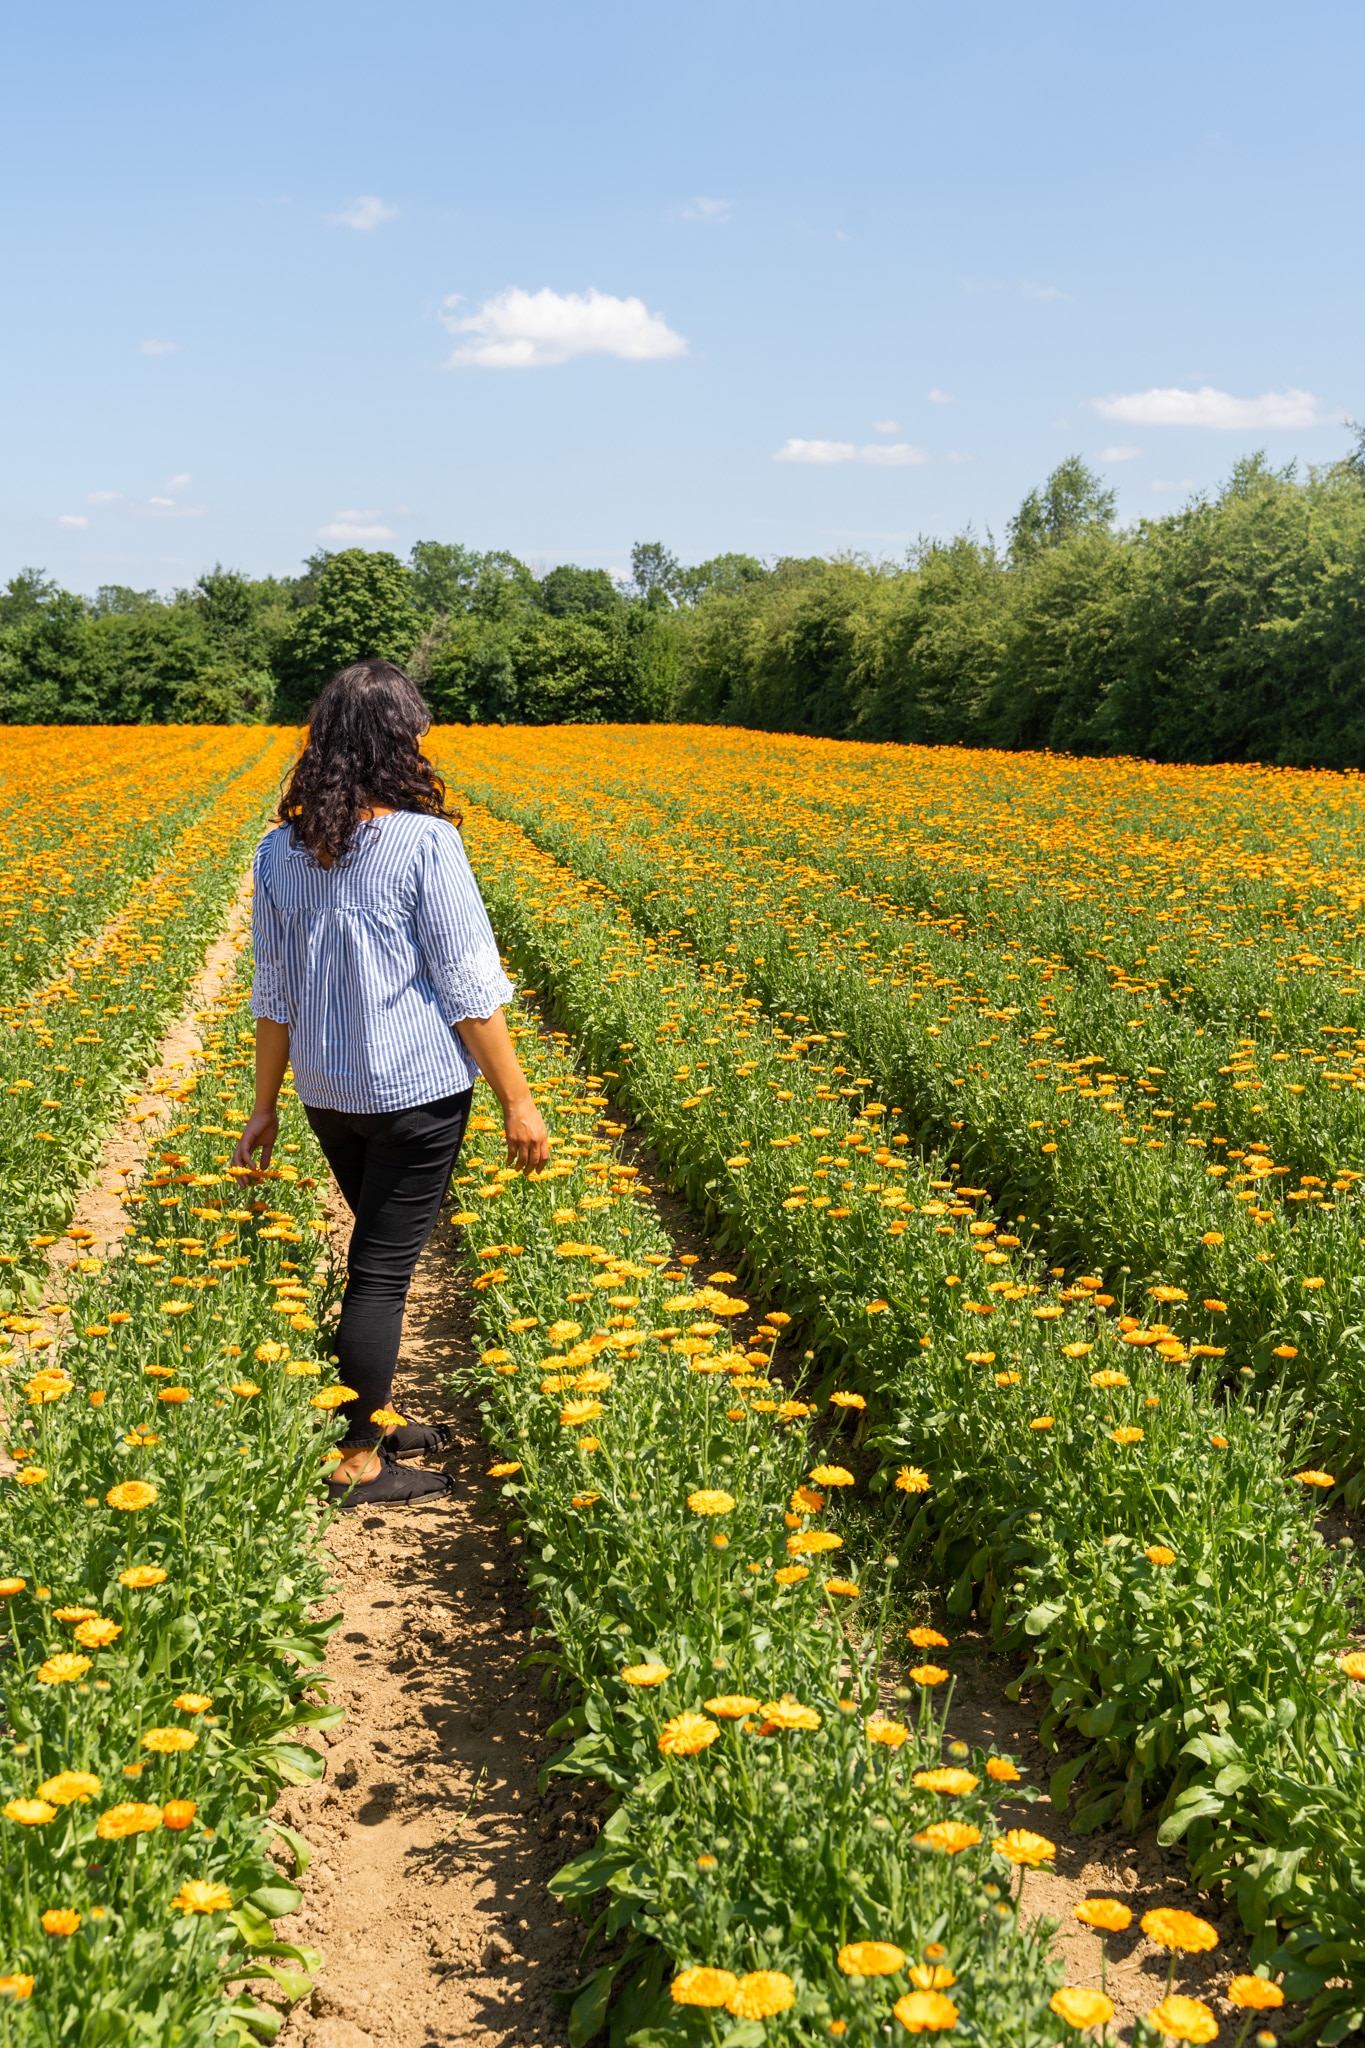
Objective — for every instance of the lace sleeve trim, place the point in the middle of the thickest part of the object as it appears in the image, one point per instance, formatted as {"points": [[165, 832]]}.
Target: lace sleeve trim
{"points": [[472, 987]]}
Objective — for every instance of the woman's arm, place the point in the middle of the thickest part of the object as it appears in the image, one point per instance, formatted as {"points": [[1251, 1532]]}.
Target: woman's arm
{"points": [[263, 1125], [490, 1044]]}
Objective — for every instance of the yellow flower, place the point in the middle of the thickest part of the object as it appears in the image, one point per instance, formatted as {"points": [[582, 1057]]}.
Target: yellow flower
{"points": [[300, 1368], [1353, 1664], [505, 1469], [1106, 1914], [891, 1734], [139, 1576], [925, 2012], [687, 1735], [116, 1823], [700, 1986], [832, 1475], [952, 1836], [1042, 1422], [847, 1401], [929, 1976], [1002, 1770], [16, 1985], [32, 1475], [911, 1480], [1109, 1378], [926, 1639], [646, 1674], [245, 1388], [575, 1413], [1018, 1845], [789, 1713], [1171, 1927], [174, 1397], [805, 1501], [1127, 1434], [1080, 1351], [131, 1495], [169, 1741], [711, 1501], [1255, 1994], [1184, 2019], [60, 1920], [1159, 1554], [63, 1669], [270, 1353], [732, 1706], [1310, 1478], [791, 1574], [332, 1397], [928, 1674], [807, 1541], [97, 1635], [30, 1813], [69, 1786], [870, 1958], [946, 1780], [845, 1588], [192, 1702], [1081, 2008], [198, 1896], [760, 1995], [177, 1814], [8, 1587]]}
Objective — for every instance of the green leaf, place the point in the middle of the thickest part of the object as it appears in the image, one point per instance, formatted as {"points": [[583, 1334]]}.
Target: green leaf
{"points": [[295, 1762], [299, 1849], [263, 2022], [276, 1899]]}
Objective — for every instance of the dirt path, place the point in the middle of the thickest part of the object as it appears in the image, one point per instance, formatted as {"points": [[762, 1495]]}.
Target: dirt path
{"points": [[432, 1842]]}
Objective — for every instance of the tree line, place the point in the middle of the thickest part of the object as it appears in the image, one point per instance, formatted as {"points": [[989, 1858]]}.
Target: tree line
{"points": [[1231, 629]]}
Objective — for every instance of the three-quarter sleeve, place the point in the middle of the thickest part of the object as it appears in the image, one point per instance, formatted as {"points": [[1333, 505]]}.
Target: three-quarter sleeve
{"points": [[269, 987], [453, 932]]}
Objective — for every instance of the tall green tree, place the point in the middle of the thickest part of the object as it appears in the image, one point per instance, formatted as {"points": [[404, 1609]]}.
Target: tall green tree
{"points": [[1072, 501], [364, 606]]}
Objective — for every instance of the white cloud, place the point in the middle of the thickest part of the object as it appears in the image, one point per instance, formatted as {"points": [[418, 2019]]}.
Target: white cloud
{"points": [[102, 497], [353, 527], [1207, 407], [956, 455], [896, 456], [162, 501], [1042, 291], [517, 330], [886, 426], [180, 483], [1119, 454], [365, 213], [712, 213], [937, 397], [1164, 483], [159, 348], [73, 519]]}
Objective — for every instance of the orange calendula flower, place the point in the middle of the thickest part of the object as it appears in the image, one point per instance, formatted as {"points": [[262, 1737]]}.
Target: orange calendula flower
{"points": [[1109, 1378], [169, 1741], [891, 1734], [17, 1985], [1043, 1422], [575, 1413], [9, 1587], [1081, 2008], [175, 1397], [1172, 1927], [1353, 1664], [646, 1674], [952, 1782], [760, 1995], [1002, 1770], [139, 1576], [711, 1500], [732, 1706], [1255, 1994], [926, 1639], [700, 1986], [910, 1479], [177, 1814], [30, 1813], [98, 1634], [949, 1836], [926, 2012], [832, 1475], [198, 1896], [332, 1397], [807, 1542], [791, 1574], [1019, 1845], [789, 1713], [1310, 1478], [68, 1787], [845, 1588], [847, 1401], [131, 1495], [1184, 2019], [688, 1734], [504, 1470], [1127, 1434], [135, 1817], [928, 1674], [1159, 1554], [192, 1702], [75, 1614], [1080, 1351], [870, 1958], [1106, 1914], [806, 1501], [245, 1388], [63, 1669], [60, 1920]]}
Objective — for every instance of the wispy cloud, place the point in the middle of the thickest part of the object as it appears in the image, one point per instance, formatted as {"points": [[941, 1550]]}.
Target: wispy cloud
{"points": [[76, 519], [1119, 454], [956, 455], [712, 213], [102, 497], [937, 397], [1207, 407], [1170, 483], [159, 348], [354, 527], [896, 455], [886, 426], [519, 330], [1042, 291], [365, 213], [181, 482]]}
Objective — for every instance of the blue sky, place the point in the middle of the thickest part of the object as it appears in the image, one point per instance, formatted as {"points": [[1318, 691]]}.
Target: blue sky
{"points": [[781, 278]]}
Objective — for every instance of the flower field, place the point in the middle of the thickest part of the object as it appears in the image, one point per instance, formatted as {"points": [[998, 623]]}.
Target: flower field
{"points": [[880, 1016]]}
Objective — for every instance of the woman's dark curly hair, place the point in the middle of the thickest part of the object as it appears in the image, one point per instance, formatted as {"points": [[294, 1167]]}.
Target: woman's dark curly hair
{"points": [[363, 752]]}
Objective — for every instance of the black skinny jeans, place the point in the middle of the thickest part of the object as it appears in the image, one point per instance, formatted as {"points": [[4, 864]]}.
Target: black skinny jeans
{"points": [[394, 1170]]}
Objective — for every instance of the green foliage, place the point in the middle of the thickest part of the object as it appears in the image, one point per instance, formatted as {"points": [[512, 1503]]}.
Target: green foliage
{"points": [[364, 606], [1072, 501]]}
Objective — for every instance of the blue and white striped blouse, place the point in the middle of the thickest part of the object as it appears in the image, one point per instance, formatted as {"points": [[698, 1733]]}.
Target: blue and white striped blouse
{"points": [[372, 961]]}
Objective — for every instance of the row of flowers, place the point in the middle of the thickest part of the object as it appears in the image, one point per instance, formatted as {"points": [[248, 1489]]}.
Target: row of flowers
{"points": [[160, 1563], [1111, 1510]]}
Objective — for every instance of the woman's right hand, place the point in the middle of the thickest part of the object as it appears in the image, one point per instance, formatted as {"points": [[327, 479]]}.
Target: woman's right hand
{"points": [[528, 1141], [262, 1129]]}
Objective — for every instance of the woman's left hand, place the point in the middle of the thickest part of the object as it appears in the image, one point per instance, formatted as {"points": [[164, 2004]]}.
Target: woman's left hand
{"points": [[262, 1129], [528, 1141]]}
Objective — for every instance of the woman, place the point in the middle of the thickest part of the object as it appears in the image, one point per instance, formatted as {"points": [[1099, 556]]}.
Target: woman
{"points": [[377, 977]]}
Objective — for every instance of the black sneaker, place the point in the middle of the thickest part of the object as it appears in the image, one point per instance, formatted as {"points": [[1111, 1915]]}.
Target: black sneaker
{"points": [[391, 1486], [415, 1438]]}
